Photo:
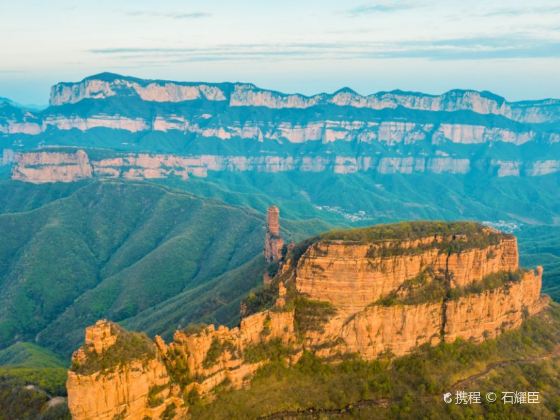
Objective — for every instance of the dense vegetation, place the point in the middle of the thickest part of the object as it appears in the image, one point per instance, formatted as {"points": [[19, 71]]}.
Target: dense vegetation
{"points": [[271, 350], [19, 401], [214, 302], [128, 347], [121, 249], [457, 236], [388, 198], [50, 380], [29, 355], [31, 364], [430, 286], [540, 245], [411, 386], [217, 348], [29, 377]]}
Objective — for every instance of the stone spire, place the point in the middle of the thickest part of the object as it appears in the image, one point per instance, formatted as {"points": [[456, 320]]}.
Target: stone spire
{"points": [[273, 220], [273, 242]]}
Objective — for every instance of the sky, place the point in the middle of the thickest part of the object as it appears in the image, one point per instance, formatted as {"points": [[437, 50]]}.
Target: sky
{"points": [[511, 48]]}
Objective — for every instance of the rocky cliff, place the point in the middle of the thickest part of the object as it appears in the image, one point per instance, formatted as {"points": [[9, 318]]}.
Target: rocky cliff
{"points": [[364, 292], [106, 85], [154, 128], [352, 275], [117, 374], [52, 167], [55, 166]]}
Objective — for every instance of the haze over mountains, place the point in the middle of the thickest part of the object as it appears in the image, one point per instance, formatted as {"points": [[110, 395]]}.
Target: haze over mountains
{"points": [[155, 192], [341, 157], [205, 127]]}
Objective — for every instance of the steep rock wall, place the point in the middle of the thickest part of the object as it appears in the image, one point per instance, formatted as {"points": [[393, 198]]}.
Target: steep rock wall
{"points": [[486, 315], [122, 393], [244, 94], [46, 166], [325, 131], [134, 390], [39, 167], [354, 276], [351, 276]]}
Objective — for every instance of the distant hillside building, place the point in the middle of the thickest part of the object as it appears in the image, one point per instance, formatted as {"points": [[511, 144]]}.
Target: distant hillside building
{"points": [[273, 242]]}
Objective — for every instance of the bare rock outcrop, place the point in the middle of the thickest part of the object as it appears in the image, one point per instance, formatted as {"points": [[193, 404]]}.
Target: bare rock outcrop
{"points": [[108, 380], [41, 167], [486, 315], [376, 291], [55, 166], [106, 85], [352, 275]]}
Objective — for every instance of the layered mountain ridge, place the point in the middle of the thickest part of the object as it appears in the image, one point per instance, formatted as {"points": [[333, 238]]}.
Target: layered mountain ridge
{"points": [[362, 293], [161, 129], [105, 85]]}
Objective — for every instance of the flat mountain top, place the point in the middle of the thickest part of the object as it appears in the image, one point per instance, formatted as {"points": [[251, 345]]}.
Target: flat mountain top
{"points": [[411, 231]]}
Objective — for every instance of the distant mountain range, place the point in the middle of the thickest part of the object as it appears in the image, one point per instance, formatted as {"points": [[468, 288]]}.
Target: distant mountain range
{"points": [[195, 128], [180, 241]]}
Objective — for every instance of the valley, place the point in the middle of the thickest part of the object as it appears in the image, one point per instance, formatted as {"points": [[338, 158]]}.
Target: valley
{"points": [[143, 202]]}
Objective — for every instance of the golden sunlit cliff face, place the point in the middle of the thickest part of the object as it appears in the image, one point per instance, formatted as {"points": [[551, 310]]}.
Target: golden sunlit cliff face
{"points": [[117, 374], [382, 290]]}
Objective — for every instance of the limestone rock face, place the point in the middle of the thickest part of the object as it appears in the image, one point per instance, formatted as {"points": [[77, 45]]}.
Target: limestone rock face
{"points": [[326, 131], [131, 390], [241, 127], [100, 337], [45, 166], [486, 315], [472, 265], [110, 85], [107, 85], [332, 301], [39, 167], [8, 156], [124, 392], [273, 242], [351, 276], [398, 329], [219, 111]]}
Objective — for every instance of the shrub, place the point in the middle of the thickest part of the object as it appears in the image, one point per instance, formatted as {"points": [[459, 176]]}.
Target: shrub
{"points": [[260, 300], [426, 287], [192, 397], [195, 328], [490, 282], [153, 399], [311, 315], [272, 350], [215, 351], [177, 368], [169, 413], [129, 346]]}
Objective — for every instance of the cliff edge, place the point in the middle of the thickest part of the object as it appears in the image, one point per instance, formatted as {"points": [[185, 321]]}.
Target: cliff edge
{"points": [[384, 290]]}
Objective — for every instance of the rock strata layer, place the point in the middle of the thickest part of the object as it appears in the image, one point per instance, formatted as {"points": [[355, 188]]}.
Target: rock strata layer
{"points": [[193, 128], [50, 166], [337, 296]]}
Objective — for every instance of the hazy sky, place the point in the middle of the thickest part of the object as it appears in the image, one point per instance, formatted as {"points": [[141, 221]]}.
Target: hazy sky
{"points": [[509, 47]]}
